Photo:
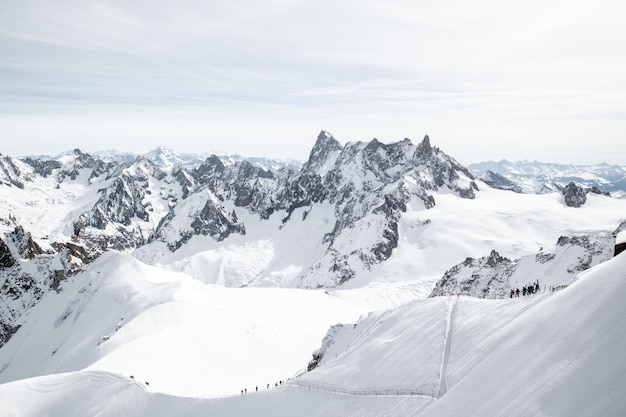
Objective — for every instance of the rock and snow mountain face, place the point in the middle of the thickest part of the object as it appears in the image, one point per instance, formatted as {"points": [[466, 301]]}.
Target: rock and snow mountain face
{"points": [[364, 210], [494, 276], [79, 206], [540, 177], [366, 185], [376, 225]]}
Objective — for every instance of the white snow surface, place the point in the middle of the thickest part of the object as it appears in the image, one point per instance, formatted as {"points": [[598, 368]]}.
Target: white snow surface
{"points": [[548, 354], [185, 337]]}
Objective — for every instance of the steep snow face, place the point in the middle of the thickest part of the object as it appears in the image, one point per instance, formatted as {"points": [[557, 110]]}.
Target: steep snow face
{"points": [[14, 172], [494, 356]]}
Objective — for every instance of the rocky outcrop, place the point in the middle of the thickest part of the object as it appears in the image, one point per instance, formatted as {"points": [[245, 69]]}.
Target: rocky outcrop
{"points": [[494, 276], [27, 273], [6, 257], [484, 277], [574, 195], [327, 341]]}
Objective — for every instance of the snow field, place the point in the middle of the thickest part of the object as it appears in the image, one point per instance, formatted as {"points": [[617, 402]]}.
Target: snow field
{"points": [[548, 354], [184, 337]]}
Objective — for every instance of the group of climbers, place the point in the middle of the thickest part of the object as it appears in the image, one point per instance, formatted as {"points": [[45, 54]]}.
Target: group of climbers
{"points": [[526, 290], [245, 390]]}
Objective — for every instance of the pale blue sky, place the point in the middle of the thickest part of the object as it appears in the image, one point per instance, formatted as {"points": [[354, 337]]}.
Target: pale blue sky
{"points": [[534, 79]]}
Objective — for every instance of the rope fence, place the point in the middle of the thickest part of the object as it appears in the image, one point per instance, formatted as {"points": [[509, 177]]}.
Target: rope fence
{"points": [[368, 393]]}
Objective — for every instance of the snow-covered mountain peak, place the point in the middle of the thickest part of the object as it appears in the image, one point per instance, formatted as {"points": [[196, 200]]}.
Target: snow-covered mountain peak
{"points": [[164, 157]]}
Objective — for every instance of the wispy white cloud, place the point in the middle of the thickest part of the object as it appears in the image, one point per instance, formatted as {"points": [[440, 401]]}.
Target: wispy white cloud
{"points": [[508, 75]]}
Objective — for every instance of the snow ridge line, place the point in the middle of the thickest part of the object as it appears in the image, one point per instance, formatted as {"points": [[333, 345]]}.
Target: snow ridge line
{"points": [[446, 347], [398, 392], [362, 335]]}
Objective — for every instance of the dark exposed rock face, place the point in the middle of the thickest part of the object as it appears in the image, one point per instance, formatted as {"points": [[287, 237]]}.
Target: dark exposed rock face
{"points": [[483, 277], [592, 249], [25, 244], [327, 341], [574, 195], [26, 275], [43, 167], [6, 257]]}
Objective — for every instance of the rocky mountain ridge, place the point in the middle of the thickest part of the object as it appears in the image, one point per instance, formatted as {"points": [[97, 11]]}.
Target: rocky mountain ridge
{"points": [[137, 203], [493, 276], [155, 205]]}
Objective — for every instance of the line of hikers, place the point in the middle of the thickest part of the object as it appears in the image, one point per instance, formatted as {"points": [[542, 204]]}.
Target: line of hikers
{"points": [[526, 290], [245, 390]]}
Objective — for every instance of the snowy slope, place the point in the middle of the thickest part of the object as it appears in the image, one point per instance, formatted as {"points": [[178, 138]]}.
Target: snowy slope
{"points": [[185, 337], [481, 357]]}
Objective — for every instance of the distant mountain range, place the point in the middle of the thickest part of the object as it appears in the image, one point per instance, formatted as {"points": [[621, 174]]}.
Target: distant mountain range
{"points": [[542, 177]]}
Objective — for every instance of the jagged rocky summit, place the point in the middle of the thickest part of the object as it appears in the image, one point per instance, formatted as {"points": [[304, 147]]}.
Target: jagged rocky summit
{"points": [[368, 184], [159, 201]]}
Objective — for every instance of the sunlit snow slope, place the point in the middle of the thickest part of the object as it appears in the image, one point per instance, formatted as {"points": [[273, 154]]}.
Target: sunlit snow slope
{"points": [[549, 354], [182, 336]]}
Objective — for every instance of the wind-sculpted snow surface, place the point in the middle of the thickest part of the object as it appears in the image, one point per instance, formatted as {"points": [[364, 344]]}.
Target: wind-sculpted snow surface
{"points": [[549, 354]]}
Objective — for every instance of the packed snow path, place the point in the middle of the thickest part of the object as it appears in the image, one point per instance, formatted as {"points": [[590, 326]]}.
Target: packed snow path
{"points": [[447, 338], [425, 360]]}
